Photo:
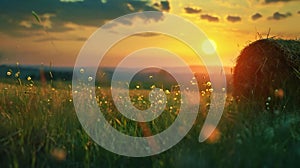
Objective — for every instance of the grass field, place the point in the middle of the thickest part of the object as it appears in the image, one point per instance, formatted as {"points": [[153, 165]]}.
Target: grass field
{"points": [[39, 128]]}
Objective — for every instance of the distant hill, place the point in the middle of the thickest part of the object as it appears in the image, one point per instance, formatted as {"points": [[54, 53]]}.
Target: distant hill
{"points": [[104, 74], [35, 72]]}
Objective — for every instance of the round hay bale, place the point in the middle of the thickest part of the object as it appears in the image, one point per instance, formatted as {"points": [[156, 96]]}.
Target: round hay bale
{"points": [[268, 69]]}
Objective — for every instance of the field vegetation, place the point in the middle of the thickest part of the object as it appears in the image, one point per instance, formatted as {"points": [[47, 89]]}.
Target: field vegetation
{"points": [[39, 128]]}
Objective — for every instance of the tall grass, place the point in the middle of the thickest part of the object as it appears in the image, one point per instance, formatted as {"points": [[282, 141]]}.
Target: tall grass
{"points": [[39, 128]]}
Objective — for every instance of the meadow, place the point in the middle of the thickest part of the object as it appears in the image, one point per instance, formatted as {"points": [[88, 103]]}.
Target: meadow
{"points": [[39, 128]]}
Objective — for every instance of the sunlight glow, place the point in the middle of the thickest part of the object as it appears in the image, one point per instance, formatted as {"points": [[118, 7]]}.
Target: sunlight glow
{"points": [[209, 46]]}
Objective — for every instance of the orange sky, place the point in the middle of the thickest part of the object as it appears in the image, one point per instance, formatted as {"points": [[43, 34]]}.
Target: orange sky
{"points": [[232, 24]]}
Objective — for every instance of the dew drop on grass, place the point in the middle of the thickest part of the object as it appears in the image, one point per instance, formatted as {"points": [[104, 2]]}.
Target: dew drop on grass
{"points": [[81, 70]]}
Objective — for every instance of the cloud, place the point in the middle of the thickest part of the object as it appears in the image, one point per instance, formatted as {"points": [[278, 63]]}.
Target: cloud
{"points": [[279, 16], [256, 16], [60, 39], [234, 19], [17, 19], [274, 1], [210, 18], [147, 34], [191, 10], [163, 5]]}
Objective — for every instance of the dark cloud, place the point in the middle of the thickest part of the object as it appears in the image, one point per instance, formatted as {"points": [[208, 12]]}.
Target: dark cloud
{"points": [[273, 1], [163, 5], [234, 19], [279, 16], [147, 34], [60, 39], [81, 39], [210, 18], [88, 13], [256, 16], [191, 10]]}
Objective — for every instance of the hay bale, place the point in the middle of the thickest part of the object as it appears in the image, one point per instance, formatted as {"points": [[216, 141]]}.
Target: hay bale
{"points": [[268, 69]]}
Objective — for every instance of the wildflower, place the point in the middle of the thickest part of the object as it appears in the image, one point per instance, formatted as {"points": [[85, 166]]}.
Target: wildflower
{"points": [[137, 86], [29, 78], [90, 79], [208, 84], [279, 93], [167, 92], [212, 134], [17, 74], [59, 154], [8, 73]]}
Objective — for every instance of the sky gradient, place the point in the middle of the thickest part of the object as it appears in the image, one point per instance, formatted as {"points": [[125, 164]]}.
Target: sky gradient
{"points": [[66, 24]]}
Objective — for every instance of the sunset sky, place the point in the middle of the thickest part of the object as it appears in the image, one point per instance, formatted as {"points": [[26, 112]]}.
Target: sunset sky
{"points": [[66, 24]]}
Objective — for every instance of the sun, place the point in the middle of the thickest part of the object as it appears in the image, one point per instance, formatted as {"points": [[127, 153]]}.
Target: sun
{"points": [[209, 46]]}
